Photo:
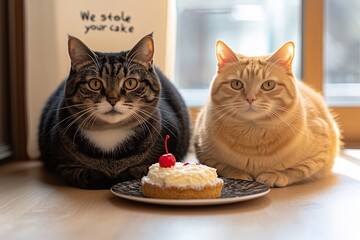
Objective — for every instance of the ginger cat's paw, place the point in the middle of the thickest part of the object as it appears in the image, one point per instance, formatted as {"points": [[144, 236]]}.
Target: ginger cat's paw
{"points": [[240, 175], [273, 179]]}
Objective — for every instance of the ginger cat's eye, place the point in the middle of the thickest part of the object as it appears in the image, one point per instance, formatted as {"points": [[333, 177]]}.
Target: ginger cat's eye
{"points": [[237, 84], [95, 84], [268, 85], [130, 83]]}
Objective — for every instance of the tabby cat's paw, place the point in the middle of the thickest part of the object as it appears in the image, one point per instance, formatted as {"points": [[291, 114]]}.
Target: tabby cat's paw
{"points": [[273, 179]]}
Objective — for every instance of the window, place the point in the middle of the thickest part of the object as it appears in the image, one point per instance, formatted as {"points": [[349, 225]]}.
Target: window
{"points": [[342, 53], [341, 38], [255, 27], [326, 34]]}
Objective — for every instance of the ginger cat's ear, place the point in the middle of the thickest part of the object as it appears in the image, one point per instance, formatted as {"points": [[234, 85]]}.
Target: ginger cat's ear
{"points": [[284, 56], [224, 54]]}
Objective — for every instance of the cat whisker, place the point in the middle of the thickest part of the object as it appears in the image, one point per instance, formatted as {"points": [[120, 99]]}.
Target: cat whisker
{"points": [[224, 112], [95, 61], [152, 107], [130, 58], [291, 112], [82, 124], [145, 121], [280, 121], [142, 122], [69, 106], [224, 105], [75, 118], [66, 119], [157, 120], [233, 106]]}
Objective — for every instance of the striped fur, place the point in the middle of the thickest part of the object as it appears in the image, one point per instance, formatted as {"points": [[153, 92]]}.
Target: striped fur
{"points": [[278, 137], [94, 138]]}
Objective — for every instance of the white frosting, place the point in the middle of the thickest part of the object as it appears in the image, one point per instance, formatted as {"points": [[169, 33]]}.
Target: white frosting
{"points": [[188, 175]]}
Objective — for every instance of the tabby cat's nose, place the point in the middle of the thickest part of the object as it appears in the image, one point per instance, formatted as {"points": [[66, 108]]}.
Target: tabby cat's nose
{"points": [[112, 100]]}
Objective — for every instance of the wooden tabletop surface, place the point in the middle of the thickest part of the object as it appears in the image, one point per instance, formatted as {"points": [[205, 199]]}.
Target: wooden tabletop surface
{"points": [[35, 205]]}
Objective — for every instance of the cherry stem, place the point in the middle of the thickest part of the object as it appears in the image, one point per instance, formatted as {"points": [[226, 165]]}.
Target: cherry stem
{"points": [[165, 143]]}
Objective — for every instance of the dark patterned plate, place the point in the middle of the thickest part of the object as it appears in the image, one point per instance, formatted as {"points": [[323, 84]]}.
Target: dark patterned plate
{"points": [[234, 190]]}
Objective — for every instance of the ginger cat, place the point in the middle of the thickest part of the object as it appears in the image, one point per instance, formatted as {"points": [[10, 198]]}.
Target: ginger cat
{"points": [[261, 124]]}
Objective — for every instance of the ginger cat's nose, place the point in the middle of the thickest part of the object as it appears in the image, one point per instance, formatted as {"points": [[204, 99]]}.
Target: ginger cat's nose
{"points": [[250, 99]]}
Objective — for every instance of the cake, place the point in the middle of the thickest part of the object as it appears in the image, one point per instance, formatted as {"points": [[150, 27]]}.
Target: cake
{"points": [[181, 181], [169, 179]]}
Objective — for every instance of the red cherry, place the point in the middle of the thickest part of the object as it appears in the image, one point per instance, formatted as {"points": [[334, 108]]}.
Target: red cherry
{"points": [[167, 160]]}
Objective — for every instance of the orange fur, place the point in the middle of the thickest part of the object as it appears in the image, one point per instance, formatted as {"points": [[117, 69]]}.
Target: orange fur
{"points": [[278, 137]]}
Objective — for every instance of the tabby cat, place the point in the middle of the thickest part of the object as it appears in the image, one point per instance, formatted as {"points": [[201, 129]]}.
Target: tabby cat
{"points": [[260, 124], [106, 122]]}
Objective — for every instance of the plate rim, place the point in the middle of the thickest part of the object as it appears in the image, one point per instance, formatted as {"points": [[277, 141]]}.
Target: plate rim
{"points": [[190, 202]]}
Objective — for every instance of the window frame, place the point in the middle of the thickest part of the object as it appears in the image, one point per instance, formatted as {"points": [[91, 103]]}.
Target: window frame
{"points": [[347, 117], [313, 15]]}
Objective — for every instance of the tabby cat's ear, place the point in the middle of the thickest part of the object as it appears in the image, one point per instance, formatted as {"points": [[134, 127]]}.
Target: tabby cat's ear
{"points": [[224, 54], [143, 51], [79, 53], [284, 56]]}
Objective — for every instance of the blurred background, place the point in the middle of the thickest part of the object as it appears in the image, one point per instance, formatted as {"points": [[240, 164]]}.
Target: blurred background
{"points": [[34, 58]]}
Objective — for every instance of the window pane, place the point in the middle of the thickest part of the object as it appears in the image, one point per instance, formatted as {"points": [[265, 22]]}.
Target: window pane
{"points": [[249, 27], [342, 52]]}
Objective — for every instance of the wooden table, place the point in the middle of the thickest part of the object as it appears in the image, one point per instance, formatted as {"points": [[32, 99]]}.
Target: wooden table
{"points": [[35, 205]]}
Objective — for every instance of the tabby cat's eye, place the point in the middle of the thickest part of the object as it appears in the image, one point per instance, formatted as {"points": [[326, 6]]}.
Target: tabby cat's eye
{"points": [[268, 85], [130, 83], [95, 84], [236, 84]]}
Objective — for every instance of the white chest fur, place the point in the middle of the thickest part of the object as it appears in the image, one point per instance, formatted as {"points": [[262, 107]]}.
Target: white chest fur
{"points": [[108, 140]]}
